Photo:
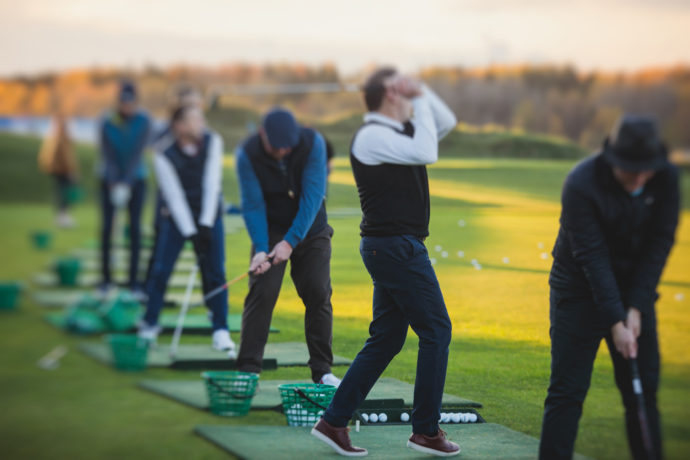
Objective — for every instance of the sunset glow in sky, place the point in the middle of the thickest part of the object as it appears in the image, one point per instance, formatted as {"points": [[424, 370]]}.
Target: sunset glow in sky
{"points": [[40, 35]]}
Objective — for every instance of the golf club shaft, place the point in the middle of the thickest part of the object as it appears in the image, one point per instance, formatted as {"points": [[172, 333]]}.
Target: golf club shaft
{"points": [[215, 291], [183, 312], [641, 410]]}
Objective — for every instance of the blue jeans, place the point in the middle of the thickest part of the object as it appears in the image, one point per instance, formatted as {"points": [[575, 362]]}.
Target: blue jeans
{"points": [[135, 205], [169, 243], [406, 293], [576, 333]]}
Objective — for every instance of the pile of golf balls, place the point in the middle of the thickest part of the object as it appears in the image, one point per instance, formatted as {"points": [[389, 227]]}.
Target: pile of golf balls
{"points": [[458, 417], [373, 417], [299, 416]]}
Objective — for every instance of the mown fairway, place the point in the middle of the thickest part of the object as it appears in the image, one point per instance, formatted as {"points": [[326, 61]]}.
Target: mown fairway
{"points": [[500, 349]]}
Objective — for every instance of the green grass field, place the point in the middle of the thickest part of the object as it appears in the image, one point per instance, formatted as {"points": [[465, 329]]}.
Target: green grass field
{"points": [[500, 349]]}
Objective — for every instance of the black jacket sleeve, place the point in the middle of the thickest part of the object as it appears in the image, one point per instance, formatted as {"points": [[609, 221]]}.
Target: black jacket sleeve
{"points": [[589, 249], [657, 245]]}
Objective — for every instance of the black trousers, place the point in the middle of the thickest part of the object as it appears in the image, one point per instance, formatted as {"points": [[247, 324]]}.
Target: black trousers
{"points": [[576, 333], [135, 207], [310, 269]]}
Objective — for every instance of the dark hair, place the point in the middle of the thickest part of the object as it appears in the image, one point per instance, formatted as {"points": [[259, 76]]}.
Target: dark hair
{"points": [[179, 113], [374, 89]]}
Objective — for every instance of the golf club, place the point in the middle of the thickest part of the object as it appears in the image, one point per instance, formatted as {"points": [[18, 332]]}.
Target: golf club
{"points": [[183, 311], [641, 411], [185, 304]]}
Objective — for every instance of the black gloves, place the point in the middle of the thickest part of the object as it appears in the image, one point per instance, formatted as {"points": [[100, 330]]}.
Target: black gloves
{"points": [[202, 240]]}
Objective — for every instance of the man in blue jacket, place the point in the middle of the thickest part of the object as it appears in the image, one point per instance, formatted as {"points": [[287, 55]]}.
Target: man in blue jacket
{"points": [[282, 175], [618, 221], [124, 136]]}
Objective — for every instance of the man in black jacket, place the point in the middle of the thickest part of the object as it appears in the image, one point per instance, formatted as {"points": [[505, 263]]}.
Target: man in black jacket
{"points": [[618, 221]]}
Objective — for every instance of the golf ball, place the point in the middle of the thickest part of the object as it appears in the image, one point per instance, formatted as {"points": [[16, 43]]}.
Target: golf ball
{"points": [[477, 267], [461, 223], [544, 255], [455, 418], [373, 418], [444, 254], [445, 418], [679, 297], [461, 254], [438, 248], [472, 418], [506, 260], [540, 245], [433, 261], [383, 417], [404, 417], [365, 417]]}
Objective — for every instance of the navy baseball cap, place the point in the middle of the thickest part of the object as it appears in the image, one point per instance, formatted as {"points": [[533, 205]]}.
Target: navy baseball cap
{"points": [[128, 92], [281, 128]]}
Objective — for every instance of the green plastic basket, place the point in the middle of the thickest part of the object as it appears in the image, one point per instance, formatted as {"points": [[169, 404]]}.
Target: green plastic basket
{"points": [[230, 393], [9, 295], [122, 312], [84, 320], [67, 270], [41, 239], [73, 194], [304, 403], [129, 351]]}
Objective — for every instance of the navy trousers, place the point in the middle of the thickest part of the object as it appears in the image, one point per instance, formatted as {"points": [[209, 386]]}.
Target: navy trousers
{"points": [[169, 243], [135, 206], [406, 293], [576, 333]]}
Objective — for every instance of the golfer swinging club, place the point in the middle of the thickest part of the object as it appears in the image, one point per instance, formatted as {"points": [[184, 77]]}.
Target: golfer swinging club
{"points": [[282, 175], [619, 217], [189, 173], [389, 155]]}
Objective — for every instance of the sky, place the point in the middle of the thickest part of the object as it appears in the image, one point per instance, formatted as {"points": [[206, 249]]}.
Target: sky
{"points": [[49, 35]]}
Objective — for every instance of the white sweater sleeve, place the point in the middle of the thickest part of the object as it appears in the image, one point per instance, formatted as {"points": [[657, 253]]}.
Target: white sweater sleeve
{"points": [[211, 182], [444, 118], [376, 144], [173, 194]]}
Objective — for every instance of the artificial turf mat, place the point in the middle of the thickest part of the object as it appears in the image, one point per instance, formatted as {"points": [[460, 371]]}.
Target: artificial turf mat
{"points": [[477, 441], [63, 297], [193, 392], [204, 357], [123, 254], [91, 264], [193, 324], [86, 279]]}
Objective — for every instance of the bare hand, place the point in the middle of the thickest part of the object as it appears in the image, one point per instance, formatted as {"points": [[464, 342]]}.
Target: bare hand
{"points": [[407, 86], [259, 263], [624, 340], [281, 252], [634, 321]]}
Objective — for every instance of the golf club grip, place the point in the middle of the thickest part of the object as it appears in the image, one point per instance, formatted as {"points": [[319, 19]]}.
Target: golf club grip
{"points": [[641, 410]]}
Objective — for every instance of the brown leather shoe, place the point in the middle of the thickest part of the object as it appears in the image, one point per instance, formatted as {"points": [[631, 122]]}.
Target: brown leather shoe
{"points": [[437, 445], [337, 438]]}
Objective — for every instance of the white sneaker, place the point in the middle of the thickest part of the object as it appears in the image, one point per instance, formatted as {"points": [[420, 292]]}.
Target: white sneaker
{"points": [[223, 342], [147, 332], [330, 379], [64, 220]]}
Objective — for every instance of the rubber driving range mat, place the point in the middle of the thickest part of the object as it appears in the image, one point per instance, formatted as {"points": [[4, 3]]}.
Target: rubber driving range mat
{"points": [[193, 392], [204, 357], [477, 441]]}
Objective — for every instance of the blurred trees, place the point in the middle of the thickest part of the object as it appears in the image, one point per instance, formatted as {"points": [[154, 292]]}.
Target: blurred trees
{"points": [[553, 100]]}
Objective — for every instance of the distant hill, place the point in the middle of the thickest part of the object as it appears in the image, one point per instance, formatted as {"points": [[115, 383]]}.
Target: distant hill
{"points": [[465, 142]]}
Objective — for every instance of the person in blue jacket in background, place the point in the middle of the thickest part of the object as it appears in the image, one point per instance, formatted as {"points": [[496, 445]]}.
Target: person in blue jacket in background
{"points": [[124, 136], [282, 175]]}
